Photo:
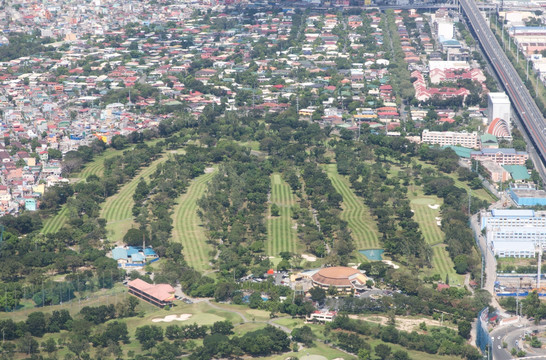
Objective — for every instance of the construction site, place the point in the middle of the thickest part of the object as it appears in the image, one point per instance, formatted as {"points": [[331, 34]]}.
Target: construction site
{"points": [[514, 283]]}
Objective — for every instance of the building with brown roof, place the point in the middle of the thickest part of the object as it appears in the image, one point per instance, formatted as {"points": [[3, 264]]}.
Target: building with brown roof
{"points": [[344, 279], [159, 295]]}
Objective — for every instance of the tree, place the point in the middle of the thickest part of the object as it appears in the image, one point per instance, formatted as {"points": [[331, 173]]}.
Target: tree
{"points": [[49, 346], [461, 264], [142, 190], [275, 211], [36, 324], [134, 237], [383, 351], [346, 134], [400, 355], [224, 291], [317, 294], [535, 342], [149, 336], [222, 327], [119, 142], [255, 300], [464, 327], [364, 354], [54, 154], [28, 345], [78, 344], [303, 335]]}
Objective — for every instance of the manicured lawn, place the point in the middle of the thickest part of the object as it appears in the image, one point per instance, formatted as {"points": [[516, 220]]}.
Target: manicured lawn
{"points": [[480, 193], [250, 314], [187, 227], [281, 234], [355, 212], [428, 217], [96, 167], [55, 223], [242, 329], [318, 349], [102, 297], [117, 209]]}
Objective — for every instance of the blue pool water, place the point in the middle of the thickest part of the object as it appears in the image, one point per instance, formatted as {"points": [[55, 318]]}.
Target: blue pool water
{"points": [[373, 254]]}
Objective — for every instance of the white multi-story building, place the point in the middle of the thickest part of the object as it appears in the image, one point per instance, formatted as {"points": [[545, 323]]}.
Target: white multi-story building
{"points": [[498, 106], [444, 29], [450, 138], [514, 233]]}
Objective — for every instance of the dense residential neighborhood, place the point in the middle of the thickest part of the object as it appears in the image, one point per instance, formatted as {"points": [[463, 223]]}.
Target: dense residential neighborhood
{"points": [[98, 79]]}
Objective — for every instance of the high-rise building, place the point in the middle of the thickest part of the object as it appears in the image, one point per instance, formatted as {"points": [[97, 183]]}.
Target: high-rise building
{"points": [[498, 106]]}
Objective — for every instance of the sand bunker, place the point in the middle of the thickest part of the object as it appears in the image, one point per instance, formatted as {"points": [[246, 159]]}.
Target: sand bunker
{"points": [[171, 318], [209, 170], [434, 207], [388, 262], [309, 257]]}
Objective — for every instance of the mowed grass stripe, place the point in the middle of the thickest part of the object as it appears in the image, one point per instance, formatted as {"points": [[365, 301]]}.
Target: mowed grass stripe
{"points": [[355, 212], [443, 265], [55, 223], [281, 236], [117, 210], [433, 234], [187, 227], [119, 206], [426, 217]]}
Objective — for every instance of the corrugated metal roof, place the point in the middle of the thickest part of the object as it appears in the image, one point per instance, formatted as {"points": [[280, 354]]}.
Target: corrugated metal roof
{"points": [[512, 213], [518, 172]]}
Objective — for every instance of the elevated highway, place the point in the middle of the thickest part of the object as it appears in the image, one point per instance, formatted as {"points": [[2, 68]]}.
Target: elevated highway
{"points": [[522, 102]]}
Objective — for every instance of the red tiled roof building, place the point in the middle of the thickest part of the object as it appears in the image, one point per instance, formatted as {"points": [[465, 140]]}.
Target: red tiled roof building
{"points": [[159, 295]]}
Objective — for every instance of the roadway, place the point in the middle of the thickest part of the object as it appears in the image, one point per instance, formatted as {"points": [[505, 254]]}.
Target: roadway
{"points": [[521, 99], [511, 335]]}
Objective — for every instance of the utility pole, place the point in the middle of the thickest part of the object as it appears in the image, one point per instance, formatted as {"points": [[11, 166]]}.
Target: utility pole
{"points": [[539, 249], [483, 269]]}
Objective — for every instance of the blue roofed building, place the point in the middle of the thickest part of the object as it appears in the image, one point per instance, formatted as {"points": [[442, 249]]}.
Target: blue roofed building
{"points": [[30, 204], [134, 256], [527, 195]]}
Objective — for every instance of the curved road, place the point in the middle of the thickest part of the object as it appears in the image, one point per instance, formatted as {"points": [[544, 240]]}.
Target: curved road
{"points": [[511, 334]]}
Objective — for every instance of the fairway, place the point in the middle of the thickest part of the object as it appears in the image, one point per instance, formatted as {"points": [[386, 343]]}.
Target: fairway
{"points": [[433, 234], [96, 167], [117, 209], [55, 223], [187, 227], [355, 212], [281, 234]]}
